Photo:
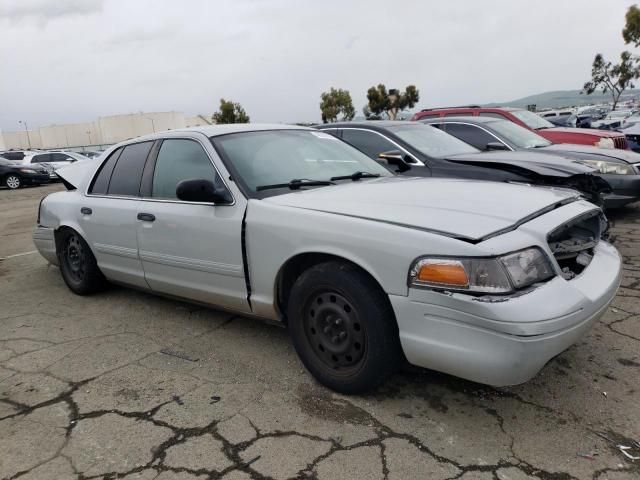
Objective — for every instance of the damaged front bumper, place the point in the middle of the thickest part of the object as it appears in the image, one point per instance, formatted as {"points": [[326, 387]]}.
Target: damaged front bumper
{"points": [[505, 341]]}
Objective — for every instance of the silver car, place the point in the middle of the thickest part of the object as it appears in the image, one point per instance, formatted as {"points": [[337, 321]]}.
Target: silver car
{"points": [[486, 281]]}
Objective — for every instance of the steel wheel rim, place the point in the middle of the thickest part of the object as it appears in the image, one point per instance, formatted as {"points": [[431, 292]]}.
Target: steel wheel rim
{"points": [[75, 258], [13, 181], [334, 331]]}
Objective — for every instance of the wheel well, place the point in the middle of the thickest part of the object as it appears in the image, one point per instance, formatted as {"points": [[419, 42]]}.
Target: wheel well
{"points": [[295, 266], [57, 236]]}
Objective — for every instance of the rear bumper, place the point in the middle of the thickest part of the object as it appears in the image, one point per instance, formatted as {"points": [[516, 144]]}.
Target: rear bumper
{"points": [[44, 240], [505, 342]]}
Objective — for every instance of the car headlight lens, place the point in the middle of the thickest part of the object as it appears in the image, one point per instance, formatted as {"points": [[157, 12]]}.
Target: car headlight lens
{"points": [[605, 142], [26, 170], [610, 167], [495, 275]]}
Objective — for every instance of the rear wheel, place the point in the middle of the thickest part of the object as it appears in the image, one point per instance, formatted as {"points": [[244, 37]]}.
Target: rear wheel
{"points": [[343, 328], [13, 181], [78, 265]]}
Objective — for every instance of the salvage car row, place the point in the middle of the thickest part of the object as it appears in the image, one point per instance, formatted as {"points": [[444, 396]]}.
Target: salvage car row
{"points": [[372, 242], [35, 167]]}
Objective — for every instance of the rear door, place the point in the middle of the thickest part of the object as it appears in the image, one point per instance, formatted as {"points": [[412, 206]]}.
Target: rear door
{"points": [[108, 214], [190, 249]]}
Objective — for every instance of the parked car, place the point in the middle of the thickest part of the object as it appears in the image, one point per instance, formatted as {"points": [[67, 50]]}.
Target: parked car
{"points": [[17, 155], [414, 149], [52, 160], [620, 168], [15, 176], [292, 225], [530, 120], [90, 153], [613, 120], [632, 133], [573, 121]]}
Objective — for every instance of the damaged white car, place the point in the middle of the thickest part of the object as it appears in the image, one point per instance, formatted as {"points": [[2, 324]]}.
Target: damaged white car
{"points": [[486, 281]]}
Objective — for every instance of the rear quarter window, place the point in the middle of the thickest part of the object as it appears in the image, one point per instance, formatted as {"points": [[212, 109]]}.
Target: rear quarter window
{"points": [[100, 183], [127, 173]]}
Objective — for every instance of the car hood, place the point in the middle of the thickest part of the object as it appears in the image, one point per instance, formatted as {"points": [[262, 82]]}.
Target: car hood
{"points": [[465, 209], [589, 152], [549, 165], [582, 131]]}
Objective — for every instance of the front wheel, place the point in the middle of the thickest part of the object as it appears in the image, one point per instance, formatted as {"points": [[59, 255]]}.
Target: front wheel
{"points": [[13, 181], [78, 265], [343, 328]]}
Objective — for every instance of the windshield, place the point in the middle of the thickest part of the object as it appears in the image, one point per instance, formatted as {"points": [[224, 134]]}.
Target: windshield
{"points": [[519, 136], [431, 141], [531, 119], [279, 156]]}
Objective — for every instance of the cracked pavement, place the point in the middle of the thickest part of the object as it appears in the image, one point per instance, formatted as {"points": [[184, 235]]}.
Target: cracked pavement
{"points": [[87, 392]]}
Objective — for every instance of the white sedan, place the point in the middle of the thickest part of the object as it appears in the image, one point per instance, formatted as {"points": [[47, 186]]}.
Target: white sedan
{"points": [[486, 281]]}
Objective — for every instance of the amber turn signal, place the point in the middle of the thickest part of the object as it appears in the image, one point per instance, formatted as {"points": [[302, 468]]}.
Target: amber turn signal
{"points": [[442, 272]]}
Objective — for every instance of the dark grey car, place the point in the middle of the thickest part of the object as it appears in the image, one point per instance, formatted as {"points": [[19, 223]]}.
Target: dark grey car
{"points": [[620, 168]]}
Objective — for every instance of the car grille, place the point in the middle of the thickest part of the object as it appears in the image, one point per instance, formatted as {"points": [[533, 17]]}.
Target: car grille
{"points": [[620, 142], [572, 243]]}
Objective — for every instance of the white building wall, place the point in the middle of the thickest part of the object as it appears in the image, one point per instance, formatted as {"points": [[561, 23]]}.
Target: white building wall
{"points": [[104, 131]]}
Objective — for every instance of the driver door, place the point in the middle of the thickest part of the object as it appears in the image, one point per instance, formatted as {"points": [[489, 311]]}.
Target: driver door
{"points": [[190, 249]]}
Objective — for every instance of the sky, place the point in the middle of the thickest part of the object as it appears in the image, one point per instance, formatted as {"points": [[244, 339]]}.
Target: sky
{"points": [[64, 61]]}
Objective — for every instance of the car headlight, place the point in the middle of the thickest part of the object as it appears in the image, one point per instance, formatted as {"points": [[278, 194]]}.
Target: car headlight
{"points": [[26, 170], [495, 275], [605, 142], [610, 167]]}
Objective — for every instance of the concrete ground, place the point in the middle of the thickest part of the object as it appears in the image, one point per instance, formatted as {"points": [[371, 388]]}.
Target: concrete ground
{"points": [[128, 385]]}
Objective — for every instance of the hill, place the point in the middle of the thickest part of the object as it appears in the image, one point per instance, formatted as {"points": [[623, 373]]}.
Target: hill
{"points": [[562, 98]]}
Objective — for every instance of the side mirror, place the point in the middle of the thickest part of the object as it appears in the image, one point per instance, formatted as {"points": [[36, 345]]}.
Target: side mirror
{"points": [[201, 190], [496, 146], [395, 158]]}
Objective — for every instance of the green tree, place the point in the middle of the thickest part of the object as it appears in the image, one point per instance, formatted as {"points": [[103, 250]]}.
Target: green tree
{"points": [[382, 103], [336, 102], [631, 31], [230, 113], [612, 78]]}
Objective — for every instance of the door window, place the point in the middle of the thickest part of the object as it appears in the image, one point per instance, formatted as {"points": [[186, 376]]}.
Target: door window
{"points": [[42, 158], [493, 115], [471, 134], [179, 160], [60, 157], [370, 143], [127, 173]]}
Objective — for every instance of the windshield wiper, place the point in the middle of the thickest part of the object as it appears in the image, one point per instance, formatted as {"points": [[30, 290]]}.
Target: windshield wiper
{"points": [[295, 184], [356, 176]]}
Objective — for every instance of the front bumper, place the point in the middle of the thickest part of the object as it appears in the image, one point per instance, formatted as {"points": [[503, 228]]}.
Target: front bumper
{"points": [[626, 189], [506, 341], [44, 240]]}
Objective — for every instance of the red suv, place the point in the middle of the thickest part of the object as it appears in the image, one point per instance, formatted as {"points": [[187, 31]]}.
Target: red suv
{"points": [[527, 119]]}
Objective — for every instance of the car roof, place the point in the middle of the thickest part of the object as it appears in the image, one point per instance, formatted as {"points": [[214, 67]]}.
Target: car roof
{"points": [[215, 130], [466, 118], [471, 107], [369, 124]]}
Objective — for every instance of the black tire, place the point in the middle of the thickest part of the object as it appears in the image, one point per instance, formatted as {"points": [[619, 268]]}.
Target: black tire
{"points": [[343, 328], [13, 181], [78, 265]]}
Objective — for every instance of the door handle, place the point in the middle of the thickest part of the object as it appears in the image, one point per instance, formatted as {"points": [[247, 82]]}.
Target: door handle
{"points": [[146, 217], [86, 211]]}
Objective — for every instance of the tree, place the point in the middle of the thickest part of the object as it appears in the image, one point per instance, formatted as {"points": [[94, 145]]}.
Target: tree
{"points": [[389, 103], [613, 79], [631, 31], [334, 103], [230, 113]]}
